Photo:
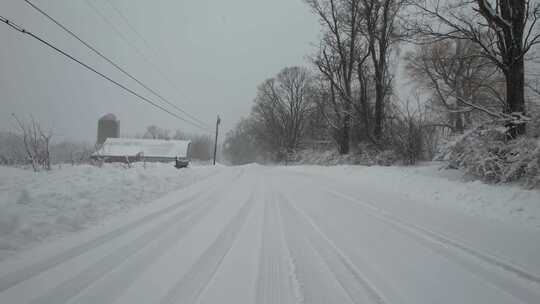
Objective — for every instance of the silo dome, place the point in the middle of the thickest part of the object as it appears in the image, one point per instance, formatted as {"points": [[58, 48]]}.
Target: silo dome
{"points": [[109, 116], [108, 127]]}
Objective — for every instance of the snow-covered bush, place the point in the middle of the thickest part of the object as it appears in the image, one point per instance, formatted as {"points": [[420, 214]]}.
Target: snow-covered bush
{"points": [[363, 154], [487, 154]]}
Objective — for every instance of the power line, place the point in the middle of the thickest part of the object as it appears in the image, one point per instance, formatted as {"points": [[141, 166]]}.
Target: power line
{"points": [[130, 43], [110, 61], [130, 25], [139, 35], [88, 67], [149, 45]]}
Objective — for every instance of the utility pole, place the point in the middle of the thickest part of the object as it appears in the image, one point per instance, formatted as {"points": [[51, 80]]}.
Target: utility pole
{"points": [[218, 121]]}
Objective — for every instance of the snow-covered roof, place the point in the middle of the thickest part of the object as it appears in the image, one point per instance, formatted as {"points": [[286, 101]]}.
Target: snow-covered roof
{"points": [[146, 147]]}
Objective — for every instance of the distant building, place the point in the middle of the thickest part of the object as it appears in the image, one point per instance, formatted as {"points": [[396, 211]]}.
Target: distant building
{"points": [[108, 127], [150, 150]]}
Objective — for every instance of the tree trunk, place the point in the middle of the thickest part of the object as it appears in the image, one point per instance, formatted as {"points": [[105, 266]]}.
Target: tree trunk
{"points": [[365, 113], [457, 122], [515, 95], [362, 81], [379, 106], [345, 138], [515, 12]]}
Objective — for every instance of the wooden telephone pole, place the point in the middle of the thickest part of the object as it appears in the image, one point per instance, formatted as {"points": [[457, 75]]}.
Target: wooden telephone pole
{"points": [[218, 121]]}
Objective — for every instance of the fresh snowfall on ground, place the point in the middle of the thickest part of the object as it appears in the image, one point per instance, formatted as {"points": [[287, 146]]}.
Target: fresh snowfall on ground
{"points": [[256, 234], [40, 206]]}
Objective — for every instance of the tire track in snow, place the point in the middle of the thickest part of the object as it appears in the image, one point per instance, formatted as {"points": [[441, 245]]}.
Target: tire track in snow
{"points": [[450, 248], [356, 285], [111, 287], [434, 236], [316, 282], [26, 273], [11, 279], [274, 285], [194, 282], [73, 286]]}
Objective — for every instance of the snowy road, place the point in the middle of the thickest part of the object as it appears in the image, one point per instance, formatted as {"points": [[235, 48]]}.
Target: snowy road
{"points": [[283, 235]]}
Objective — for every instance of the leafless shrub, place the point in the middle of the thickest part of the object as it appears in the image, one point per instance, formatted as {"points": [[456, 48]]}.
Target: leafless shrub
{"points": [[406, 132]]}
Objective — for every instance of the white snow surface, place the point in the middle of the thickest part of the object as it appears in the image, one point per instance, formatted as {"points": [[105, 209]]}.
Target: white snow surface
{"points": [[432, 184], [302, 234], [35, 207]]}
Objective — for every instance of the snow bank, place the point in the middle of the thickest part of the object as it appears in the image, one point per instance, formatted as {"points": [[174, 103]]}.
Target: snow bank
{"points": [[486, 154], [430, 184], [40, 206]]}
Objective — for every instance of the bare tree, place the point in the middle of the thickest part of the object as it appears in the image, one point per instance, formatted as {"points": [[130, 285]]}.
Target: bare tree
{"points": [[379, 27], [357, 39], [180, 135], [452, 71], [505, 30], [36, 143], [364, 106], [281, 107], [337, 58], [155, 132]]}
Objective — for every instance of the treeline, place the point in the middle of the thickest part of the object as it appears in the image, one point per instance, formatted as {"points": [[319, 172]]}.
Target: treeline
{"points": [[40, 154], [466, 60], [32, 145]]}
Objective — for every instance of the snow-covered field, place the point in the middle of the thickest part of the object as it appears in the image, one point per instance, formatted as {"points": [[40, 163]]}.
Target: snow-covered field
{"points": [[430, 184], [301, 234], [35, 207]]}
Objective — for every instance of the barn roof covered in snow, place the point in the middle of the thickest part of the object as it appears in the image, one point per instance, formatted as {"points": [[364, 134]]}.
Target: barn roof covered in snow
{"points": [[146, 147]]}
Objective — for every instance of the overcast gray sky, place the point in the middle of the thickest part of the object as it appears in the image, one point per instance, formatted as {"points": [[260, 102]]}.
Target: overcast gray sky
{"points": [[214, 52]]}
